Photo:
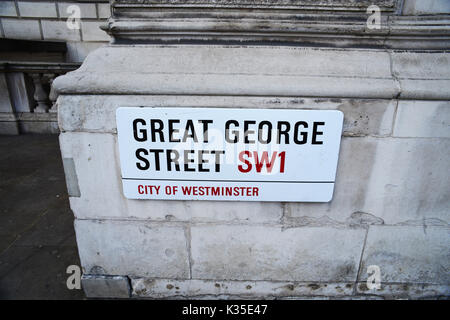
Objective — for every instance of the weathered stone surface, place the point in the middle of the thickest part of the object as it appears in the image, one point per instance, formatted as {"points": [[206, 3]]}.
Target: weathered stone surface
{"points": [[91, 31], [243, 249], [104, 10], [57, 30], [420, 7], [132, 248], [422, 119], [363, 219], [37, 239], [173, 288], [39, 126], [7, 9], [264, 3], [339, 23], [21, 29], [250, 70], [236, 252], [17, 84], [418, 89], [374, 177], [408, 254], [237, 60], [98, 173], [353, 174], [387, 178], [408, 178], [97, 113], [98, 286], [87, 10], [8, 128], [206, 211], [404, 291], [220, 289], [37, 9], [8, 121], [420, 65]]}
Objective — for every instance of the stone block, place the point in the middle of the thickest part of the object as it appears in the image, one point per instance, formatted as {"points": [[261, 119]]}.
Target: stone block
{"points": [[361, 117], [91, 31], [8, 121], [37, 9], [218, 289], [71, 177], [58, 30], [8, 127], [87, 10], [101, 286], [78, 51], [8, 9], [104, 10], [420, 7], [428, 119], [206, 211], [420, 65], [132, 248], [237, 252], [21, 29], [367, 117], [98, 173], [387, 179], [408, 254]]}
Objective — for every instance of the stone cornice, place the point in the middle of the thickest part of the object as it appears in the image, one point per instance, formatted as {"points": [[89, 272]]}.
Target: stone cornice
{"points": [[318, 5], [427, 32], [260, 71]]}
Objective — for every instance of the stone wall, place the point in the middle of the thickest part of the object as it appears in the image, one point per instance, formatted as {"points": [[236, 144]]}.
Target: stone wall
{"points": [[46, 20], [390, 206]]}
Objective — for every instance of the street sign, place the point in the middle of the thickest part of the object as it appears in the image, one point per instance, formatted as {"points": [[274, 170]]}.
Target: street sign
{"points": [[234, 154]]}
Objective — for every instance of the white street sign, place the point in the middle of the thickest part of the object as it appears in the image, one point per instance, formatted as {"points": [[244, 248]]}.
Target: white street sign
{"points": [[228, 154]]}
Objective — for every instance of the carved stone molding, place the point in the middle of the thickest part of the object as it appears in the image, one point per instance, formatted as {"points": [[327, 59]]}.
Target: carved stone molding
{"points": [[341, 23], [299, 4]]}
